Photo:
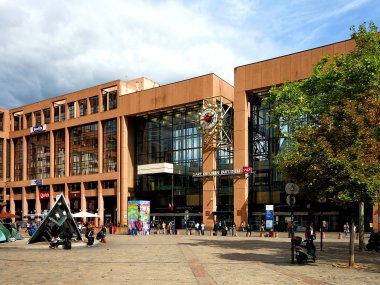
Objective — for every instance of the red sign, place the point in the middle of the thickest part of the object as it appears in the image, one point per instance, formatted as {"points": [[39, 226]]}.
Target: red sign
{"points": [[44, 195], [247, 169]]}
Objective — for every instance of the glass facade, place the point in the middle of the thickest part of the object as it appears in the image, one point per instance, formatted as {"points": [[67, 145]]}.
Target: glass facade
{"points": [[263, 145], [171, 137], [59, 153], [110, 146], [38, 156], [84, 149]]}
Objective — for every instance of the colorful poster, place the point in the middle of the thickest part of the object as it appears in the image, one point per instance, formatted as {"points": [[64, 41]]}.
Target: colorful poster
{"points": [[139, 213]]}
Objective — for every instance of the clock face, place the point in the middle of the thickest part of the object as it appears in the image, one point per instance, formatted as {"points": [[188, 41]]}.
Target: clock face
{"points": [[208, 119]]}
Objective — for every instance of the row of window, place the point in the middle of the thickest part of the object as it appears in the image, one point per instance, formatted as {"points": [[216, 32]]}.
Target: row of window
{"points": [[73, 187], [75, 109], [83, 152]]}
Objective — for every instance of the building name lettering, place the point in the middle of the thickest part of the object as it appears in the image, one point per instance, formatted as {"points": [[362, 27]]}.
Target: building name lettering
{"points": [[219, 173]]}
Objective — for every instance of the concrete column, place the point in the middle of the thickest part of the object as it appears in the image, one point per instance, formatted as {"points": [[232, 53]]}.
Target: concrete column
{"points": [[38, 201], [119, 186], [12, 156], [100, 204], [209, 186], [24, 159], [100, 147], [241, 115], [67, 196], [67, 152], [12, 205], [125, 140], [51, 195], [24, 202], [52, 154], [5, 160], [83, 202]]}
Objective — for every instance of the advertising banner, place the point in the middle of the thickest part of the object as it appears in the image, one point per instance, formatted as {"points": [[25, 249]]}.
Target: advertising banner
{"points": [[269, 215], [139, 212]]}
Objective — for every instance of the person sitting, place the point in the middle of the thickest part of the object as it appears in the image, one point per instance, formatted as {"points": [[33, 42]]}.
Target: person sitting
{"points": [[54, 242], [90, 236], [102, 235]]}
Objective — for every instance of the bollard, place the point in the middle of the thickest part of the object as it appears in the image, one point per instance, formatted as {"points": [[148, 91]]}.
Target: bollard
{"points": [[261, 234], [340, 236], [275, 234]]}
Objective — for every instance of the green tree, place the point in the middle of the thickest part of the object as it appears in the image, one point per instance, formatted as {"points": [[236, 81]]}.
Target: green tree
{"points": [[333, 142]]}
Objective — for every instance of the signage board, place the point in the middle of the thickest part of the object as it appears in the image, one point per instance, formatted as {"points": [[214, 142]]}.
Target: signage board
{"points": [[38, 128], [44, 195], [269, 215], [36, 182]]}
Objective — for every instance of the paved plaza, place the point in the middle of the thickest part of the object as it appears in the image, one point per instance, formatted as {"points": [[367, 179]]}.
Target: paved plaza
{"points": [[181, 259]]}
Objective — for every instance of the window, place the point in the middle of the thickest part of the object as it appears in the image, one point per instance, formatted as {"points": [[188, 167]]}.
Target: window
{"points": [[84, 149], [112, 100], [38, 156], [93, 185], [109, 96], [71, 107], [17, 159], [109, 184], [83, 107], [59, 188], [37, 117], [59, 110], [109, 146], [94, 104], [59, 153], [1, 121], [17, 119], [47, 115], [28, 118]]}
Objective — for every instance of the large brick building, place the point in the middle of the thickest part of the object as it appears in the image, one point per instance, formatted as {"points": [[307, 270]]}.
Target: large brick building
{"points": [[188, 147]]}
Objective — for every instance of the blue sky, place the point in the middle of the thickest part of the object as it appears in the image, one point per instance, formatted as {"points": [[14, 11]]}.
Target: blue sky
{"points": [[50, 47]]}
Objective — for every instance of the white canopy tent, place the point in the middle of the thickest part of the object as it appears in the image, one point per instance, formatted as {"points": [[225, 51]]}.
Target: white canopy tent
{"points": [[84, 214]]}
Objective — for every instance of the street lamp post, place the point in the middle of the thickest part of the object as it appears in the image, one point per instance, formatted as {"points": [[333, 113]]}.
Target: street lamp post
{"points": [[321, 200], [291, 189]]}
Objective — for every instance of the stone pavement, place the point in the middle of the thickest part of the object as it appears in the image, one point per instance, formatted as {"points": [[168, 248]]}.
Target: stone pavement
{"points": [[181, 259]]}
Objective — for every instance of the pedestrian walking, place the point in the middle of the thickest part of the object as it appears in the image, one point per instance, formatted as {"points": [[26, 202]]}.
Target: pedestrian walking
{"points": [[346, 229]]}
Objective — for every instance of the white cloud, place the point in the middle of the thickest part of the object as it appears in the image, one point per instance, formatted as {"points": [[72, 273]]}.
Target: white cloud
{"points": [[54, 47]]}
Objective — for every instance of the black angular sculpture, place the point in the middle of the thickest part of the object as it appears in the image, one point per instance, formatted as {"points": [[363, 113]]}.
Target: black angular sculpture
{"points": [[58, 222]]}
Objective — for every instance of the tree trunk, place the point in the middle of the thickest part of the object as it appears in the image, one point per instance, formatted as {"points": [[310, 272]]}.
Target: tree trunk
{"points": [[361, 226], [351, 261]]}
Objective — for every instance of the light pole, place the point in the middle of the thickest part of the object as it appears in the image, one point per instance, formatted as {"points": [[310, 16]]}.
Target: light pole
{"points": [[291, 189], [321, 200]]}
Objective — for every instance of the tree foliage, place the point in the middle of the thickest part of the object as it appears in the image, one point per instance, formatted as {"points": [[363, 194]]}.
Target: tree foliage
{"points": [[333, 116]]}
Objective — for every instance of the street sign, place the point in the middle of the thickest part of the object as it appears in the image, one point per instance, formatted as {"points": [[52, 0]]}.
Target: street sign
{"points": [[292, 189], [291, 200]]}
